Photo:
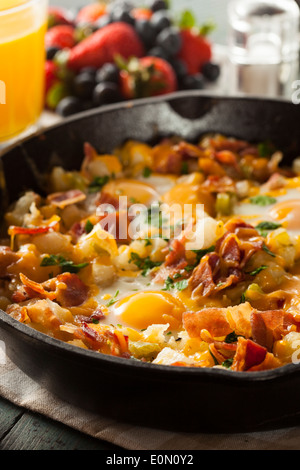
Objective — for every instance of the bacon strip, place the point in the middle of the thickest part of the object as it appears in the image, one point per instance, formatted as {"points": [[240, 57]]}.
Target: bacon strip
{"points": [[175, 262], [212, 319], [63, 199], [67, 289], [248, 354], [270, 326]]}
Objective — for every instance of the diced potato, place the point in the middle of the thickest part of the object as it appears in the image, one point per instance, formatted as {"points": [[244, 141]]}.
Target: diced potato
{"points": [[17, 214], [53, 243], [168, 356], [96, 242], [103, 275]]}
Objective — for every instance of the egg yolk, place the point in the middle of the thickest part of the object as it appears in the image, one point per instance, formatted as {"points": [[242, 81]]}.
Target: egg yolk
{"points": [[137, 192], [287, 212], [190, 195], [146, 308]]}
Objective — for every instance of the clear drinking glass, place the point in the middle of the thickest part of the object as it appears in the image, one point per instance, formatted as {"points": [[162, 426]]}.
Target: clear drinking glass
{"points": [[22, 54], [263, 46]]}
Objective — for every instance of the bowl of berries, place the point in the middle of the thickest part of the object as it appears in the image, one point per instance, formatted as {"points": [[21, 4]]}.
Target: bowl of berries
{"points": [[108, 52]]}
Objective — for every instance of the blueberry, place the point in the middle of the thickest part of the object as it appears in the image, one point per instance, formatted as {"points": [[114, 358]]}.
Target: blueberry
{"points": [[211, 71], [106, 93], [157, 5], [108, 73], [119, 14], [51, 51], [180, 68], [83, 85], [68, 106], [192, 82], [146, 32], [158, 52], [160, 20], [89, 70], [170, 40]]}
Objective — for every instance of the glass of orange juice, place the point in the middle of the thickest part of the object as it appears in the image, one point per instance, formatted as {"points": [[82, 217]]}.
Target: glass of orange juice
{"points": [[23, 25]]}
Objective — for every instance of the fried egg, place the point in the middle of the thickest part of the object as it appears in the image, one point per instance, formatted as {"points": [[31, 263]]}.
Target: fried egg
{"points": [[136, 302], [281, 207]]}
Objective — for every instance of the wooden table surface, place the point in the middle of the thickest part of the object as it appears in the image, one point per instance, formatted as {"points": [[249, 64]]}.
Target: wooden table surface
{"points": [[24, 430]]}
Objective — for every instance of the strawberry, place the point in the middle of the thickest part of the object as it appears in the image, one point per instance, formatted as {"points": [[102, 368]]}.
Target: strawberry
{"points": [[61, 36], [145, 77], [50, 74], [58, 16], [91, 13], [104, 45], [195, 50]]}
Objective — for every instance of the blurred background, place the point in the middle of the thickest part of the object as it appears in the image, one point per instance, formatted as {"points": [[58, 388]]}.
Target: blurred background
{"points": [[204, 10]]}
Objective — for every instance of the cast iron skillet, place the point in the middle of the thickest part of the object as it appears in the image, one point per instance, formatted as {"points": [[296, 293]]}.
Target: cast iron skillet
{"points": [[183, 399]]}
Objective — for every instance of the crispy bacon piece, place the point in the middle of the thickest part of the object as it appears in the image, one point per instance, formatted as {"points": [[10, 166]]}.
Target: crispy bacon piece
{"points": [[175, 262], [106, 200], [210, 323], [33, 289], [223, 143], [213, 320], [202, 280], [226, 157], [16, 230], [187, 150], [63, 199], [67, 289], [270, 326], [96, 316], [70, 290], [229, 250], [219, 184], [248, 354], [103, 340], [166, 158], [224, 267], [77, 230]]}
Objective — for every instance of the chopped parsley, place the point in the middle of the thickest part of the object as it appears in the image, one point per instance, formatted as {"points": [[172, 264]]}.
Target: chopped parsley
{"points": [[179, 285], [64, 264], [203, 252], [98, 183], [184, 168], [113, 300], [88, 226], [263, 200], [147, 172], [144, 264], [266, 249], [231, 337], [265, 149], [264, 227], [258, 270], [227, 363]]}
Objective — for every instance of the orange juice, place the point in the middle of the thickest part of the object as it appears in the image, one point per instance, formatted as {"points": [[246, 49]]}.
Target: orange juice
{"points": [[22, 56]]}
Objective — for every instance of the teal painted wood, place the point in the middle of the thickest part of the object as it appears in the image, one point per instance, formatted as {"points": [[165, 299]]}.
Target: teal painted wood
{"points": [[23, 430], [9, 416]]}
